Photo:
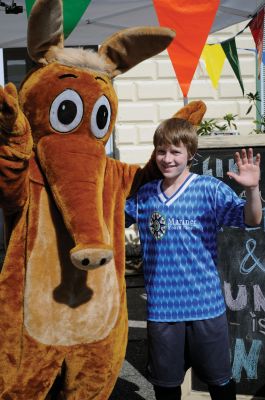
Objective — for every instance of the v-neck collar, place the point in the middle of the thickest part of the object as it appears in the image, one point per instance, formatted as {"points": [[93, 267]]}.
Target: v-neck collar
{"points": [[169, 200]]}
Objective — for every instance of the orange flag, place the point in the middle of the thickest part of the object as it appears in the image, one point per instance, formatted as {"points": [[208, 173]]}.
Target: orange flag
{"points": [[192, 21]]}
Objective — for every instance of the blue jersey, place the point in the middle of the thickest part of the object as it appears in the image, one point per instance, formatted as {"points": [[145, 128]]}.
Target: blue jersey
{"points": [[179, 243]]}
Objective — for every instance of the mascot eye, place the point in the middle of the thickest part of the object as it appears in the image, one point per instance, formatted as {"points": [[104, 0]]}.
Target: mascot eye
{"points": [[66, 111], [100, 117]]}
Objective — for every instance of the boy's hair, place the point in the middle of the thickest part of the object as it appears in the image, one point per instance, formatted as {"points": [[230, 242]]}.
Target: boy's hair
{"points": [[175, 131]]}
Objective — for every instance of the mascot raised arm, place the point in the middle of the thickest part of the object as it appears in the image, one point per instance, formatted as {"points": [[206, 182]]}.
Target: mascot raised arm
{"points": [[62, 286]]}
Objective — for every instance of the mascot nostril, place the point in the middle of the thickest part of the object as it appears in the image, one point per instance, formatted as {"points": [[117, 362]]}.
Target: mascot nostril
{"points": [[85, 262], [103, 261]]}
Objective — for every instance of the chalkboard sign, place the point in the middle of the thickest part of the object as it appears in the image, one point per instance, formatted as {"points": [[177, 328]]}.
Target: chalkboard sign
{"points": [[241, 266]]}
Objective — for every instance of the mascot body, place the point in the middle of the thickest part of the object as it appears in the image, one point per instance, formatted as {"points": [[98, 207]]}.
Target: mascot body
{"points": [[62, 287]]}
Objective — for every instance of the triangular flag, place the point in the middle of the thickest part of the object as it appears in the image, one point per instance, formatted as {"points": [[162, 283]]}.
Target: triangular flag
{"points": [[214, 58], [72, 12], [192, 21], [229, 47], [257, 27]]}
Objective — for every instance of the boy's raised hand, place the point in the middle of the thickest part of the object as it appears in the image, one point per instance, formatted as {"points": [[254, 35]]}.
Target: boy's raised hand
{"points": [[248, 169]]}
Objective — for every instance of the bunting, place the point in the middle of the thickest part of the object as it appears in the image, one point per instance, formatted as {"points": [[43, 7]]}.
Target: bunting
{"points": [[72, 12], [229, 47], [192, 21], [214, 58], [256, 26]]}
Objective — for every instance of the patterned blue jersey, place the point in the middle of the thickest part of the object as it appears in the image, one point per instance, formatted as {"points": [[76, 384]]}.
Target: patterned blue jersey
{"points": [[179, 243]]}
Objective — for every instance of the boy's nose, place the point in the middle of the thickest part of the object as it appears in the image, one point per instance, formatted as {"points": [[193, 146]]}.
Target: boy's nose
{"points": [[167, 157]]}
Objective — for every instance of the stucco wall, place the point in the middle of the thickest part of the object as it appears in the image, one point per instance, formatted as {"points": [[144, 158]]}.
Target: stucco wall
{"points": [[150, 93]]}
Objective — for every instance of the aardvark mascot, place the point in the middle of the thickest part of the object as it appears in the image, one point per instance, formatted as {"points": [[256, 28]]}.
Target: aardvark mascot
{"points": [[62, 287]]}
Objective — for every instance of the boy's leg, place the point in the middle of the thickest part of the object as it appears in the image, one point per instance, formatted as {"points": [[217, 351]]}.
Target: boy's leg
{"points": [[210, 356], [166, 358], [227, 392], [167, 393]]}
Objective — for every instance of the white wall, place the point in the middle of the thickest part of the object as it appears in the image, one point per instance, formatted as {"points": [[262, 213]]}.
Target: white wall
{"points": [[150, 93]]}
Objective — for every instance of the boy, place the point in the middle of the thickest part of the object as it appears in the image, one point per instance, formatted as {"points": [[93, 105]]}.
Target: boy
{"points": [[178, 219]]}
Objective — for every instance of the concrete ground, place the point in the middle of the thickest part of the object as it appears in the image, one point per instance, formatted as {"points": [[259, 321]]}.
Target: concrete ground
{"points": [[131, 384]]}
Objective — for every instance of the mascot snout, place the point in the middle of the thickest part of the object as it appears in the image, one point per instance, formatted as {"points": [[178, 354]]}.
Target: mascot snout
{"points": [[74, 166], [89, 258]]}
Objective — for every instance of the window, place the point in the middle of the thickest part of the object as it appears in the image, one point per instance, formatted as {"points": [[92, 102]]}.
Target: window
{"points": [[16, 64]]}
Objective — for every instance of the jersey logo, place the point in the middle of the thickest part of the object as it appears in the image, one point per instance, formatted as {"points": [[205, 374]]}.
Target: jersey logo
{"points": [[157, 225]]}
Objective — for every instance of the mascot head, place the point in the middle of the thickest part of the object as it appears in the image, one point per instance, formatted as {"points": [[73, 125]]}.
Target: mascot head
{"points": [[71, 106]]}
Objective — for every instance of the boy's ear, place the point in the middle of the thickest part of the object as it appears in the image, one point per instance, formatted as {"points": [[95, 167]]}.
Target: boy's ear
{"points": [[192, 112]]}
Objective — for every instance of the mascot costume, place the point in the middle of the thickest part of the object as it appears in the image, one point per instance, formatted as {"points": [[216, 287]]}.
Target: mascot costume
{"points": [[62, 286]]}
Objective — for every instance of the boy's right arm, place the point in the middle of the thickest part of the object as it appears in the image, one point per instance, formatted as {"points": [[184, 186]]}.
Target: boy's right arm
{"points": [[131, 211], [15, 151]]}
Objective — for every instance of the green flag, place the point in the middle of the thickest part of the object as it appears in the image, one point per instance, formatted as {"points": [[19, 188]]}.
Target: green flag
{"points": [[72, 12], [229, 47]]}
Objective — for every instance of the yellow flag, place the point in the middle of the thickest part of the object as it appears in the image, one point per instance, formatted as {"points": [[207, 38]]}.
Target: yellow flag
{"points": [[214, 58]]}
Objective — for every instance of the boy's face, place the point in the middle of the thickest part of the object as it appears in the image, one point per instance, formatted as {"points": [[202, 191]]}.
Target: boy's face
{"points": [[172, 160]]}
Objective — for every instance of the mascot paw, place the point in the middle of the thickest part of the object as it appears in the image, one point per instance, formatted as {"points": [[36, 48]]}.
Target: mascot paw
{"points": [[14, 126]]}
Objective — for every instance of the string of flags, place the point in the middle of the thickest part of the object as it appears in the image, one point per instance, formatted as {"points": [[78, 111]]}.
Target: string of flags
{"points": [[214, 55], [189, 44], [192, 22]]}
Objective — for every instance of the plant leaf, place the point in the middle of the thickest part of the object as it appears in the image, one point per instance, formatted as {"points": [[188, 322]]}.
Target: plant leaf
{"points": [[249, 109]]}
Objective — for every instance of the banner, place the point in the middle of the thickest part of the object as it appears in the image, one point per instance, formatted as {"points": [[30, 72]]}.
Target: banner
{"points": [[192, 21], [214, 58], [229, 47], [72, 12]]}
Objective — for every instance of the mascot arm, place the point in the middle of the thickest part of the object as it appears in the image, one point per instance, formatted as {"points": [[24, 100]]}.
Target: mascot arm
{"points": [[15, 151], [135, 176]]}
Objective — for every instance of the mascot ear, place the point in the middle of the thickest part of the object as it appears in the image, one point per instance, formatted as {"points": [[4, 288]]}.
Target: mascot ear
{"points": [[121, 51], [45, 30], [129, 47], [192, 112]]}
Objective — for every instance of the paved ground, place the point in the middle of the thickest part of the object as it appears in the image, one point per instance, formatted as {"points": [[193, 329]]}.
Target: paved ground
{"points": [[132, 384]]}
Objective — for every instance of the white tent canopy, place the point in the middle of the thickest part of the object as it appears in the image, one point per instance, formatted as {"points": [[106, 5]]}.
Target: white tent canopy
{"points": [[104, 17]]}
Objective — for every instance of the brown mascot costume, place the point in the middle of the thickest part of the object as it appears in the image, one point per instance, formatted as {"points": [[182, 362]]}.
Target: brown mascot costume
{"points": [[62, 286]]}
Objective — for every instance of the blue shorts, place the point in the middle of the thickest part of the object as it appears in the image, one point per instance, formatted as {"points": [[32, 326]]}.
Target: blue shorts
{"points": [[174, 347]]}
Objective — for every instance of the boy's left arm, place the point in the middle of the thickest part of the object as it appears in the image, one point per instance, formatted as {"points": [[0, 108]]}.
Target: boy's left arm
{"points": [[248, 176]]}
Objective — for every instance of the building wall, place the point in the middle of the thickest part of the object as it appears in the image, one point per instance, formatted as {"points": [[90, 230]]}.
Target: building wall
{"points": [[149, 93]]}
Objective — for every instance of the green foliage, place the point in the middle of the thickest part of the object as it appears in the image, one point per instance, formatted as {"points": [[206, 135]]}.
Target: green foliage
{"points": [[230, 118], [254, 99], [209, 126], [206, 127]]}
